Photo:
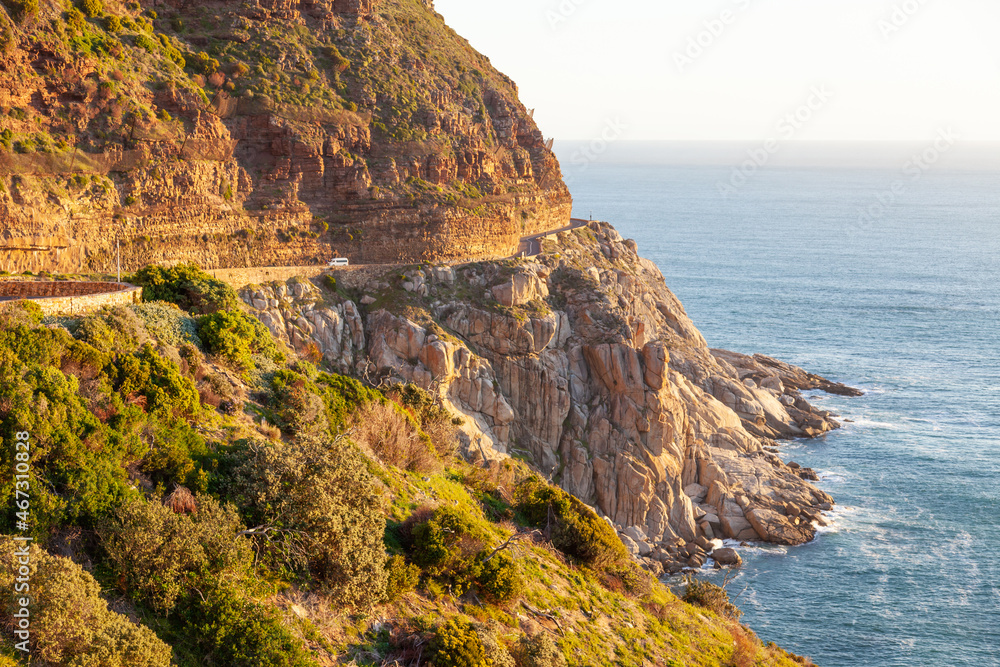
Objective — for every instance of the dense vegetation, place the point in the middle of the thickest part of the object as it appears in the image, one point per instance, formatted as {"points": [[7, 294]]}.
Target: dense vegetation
{"points": [[195, 503]]}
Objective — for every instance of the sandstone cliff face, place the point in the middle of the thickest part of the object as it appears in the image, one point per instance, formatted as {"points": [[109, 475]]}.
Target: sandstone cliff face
{"points": [[583, 362], [279, 132]]}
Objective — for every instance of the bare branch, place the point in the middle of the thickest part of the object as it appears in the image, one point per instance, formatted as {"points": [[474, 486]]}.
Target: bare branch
{"points": [[544, 614], [510, 540]]}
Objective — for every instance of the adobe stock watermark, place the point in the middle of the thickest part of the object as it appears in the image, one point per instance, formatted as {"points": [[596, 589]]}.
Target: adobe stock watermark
{"points": [[614, 129], [912, 171], [563, 12], [789, 126], [899, 17], [22, 554], [711, 31]]}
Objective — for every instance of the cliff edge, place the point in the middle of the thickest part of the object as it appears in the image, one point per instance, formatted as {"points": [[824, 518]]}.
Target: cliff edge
{"points": [[583, 362]]}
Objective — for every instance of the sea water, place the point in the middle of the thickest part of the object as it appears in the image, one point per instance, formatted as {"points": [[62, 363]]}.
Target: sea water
{"points": [[901, 299]]}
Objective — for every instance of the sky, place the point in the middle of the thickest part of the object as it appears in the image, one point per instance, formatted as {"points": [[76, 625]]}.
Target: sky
{"points": [[746, 70]]}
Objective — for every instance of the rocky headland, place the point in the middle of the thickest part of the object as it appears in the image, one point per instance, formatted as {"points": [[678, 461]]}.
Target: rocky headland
{"points": [[584, 363]]}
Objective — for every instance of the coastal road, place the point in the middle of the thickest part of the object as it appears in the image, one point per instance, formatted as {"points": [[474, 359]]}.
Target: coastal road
{"points": [[532, 245], [529, 246]]}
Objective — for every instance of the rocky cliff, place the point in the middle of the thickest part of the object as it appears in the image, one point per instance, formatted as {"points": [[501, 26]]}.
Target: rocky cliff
{"points": [[583, 362], [262, 132]]}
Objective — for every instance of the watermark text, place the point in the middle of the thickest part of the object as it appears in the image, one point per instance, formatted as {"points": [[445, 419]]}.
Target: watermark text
{"points": [[22, 554]]}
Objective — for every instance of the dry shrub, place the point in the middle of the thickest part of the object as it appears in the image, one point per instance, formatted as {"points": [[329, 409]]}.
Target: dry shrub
{"points": [[215, 389], [659, 611], [383, 430], [444, 434], [181, 501], [313, 353], [269, 431], [800, 659], [440, 425], [539, 651], [216, 79], [497, 478], [82, 370], [745, 647], [209, 396]]}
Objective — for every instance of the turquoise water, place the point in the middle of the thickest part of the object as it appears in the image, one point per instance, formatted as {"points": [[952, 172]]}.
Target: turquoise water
{"points": [[906, 305]]}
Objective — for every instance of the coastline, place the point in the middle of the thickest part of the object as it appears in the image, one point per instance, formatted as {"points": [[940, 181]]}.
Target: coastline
{"points": [[584, 363]]}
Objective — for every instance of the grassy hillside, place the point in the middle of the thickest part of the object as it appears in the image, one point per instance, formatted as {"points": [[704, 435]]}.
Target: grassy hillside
{"points": [[202, 496]]}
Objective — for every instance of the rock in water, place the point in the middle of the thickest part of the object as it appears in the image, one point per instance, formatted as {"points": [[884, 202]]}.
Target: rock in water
{"points": [[728, 557]]}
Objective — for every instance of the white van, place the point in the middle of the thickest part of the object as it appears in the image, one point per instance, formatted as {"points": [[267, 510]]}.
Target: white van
{"points": [[338, 261]]}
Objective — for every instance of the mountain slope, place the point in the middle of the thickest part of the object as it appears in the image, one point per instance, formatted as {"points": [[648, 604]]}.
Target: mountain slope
{"points": [[202, 496], [259, 133]]}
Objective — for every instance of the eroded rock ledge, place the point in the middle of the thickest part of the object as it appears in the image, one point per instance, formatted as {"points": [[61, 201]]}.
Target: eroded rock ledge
{"points": [[582, 361]]}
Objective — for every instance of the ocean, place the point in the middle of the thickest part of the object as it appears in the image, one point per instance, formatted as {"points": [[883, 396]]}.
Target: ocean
{"points": [[883, 279]]}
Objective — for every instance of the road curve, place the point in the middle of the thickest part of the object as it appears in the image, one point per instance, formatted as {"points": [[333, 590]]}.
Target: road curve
{"points": [[532, 245]]}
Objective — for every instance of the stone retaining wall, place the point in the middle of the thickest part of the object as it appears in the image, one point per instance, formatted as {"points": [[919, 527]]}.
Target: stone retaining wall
{"points": [[70, 297], [345, 275], [239, 278]]}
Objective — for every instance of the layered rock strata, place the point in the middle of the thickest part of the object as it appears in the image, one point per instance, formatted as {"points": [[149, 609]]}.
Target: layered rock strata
{"points": [[583, 362], [271, 133]]}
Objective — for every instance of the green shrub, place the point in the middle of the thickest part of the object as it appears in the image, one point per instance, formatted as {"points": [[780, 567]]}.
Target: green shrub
{"points": [[324, 508], [709, 596], [70, 622], [171, 458], [187, 286], [28, 312], [330, 282], [539, 651], [91, 7], [636, 580], [168, 324], [96, 332], [192, 356], [402, 578], [436, 542], [342, 396], [577, 530], [203, 63], [235, 337], [159, 382], [160, 555], [497, 653], [146, 43], [113, 24], [340, 63], [457, 644], [499, 578], [112, 330], [296, 406], [78, 461], [238, 632], [22, 9]]}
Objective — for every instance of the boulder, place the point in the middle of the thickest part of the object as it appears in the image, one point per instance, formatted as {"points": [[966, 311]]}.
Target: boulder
{"points": [[696, 492], [727, 556], [773, 527], [630, 544]]}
